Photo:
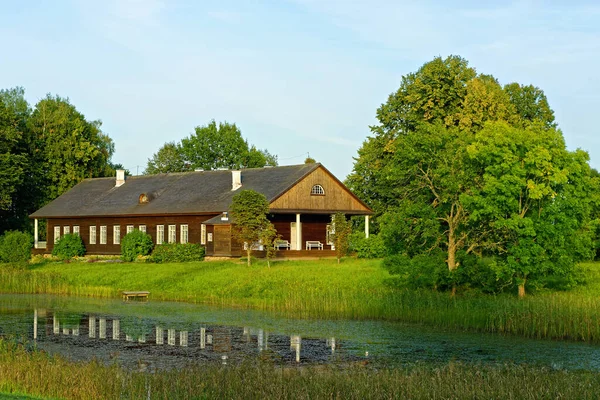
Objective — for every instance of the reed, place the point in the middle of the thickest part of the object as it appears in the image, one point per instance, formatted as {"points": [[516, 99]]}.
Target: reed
{"points": [[355, 289], [39, 374]]}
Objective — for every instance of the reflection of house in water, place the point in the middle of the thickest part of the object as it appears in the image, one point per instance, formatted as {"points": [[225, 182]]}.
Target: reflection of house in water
{"points": [[106, 335]]}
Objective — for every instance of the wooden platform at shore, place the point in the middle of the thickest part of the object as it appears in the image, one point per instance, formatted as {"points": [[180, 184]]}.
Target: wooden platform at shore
{"points": [[127, 295]]}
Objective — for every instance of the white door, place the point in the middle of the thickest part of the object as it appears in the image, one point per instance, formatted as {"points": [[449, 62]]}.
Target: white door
{"points": [[293, 238]]}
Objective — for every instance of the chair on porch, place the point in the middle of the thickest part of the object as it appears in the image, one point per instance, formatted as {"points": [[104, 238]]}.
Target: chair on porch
{"points": [[282, 244], [314, 244]]}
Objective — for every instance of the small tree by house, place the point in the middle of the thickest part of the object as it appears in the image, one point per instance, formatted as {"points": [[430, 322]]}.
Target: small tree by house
{"points": [[340, 235], [249, 213], [268, 237]]}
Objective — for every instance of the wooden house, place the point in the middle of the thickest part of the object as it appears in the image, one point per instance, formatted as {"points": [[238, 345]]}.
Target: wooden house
{"points": [[193, 207]]}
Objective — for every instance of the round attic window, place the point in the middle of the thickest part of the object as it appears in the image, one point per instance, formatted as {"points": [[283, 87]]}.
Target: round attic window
{"points": [[144, 198], [317, 190]]}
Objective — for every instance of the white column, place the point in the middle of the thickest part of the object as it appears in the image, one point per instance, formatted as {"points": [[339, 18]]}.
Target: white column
{"points": [[35, 233], [298, 233], [160, 337], [367, 226], [116, 329]]}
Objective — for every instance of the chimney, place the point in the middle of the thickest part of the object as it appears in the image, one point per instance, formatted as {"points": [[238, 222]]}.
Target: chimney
{"points": [[120, 177], [236, 180]]}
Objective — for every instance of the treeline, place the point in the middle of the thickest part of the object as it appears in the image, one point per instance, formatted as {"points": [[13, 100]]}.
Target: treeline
{"points": [[44, 151], [473, 185]]}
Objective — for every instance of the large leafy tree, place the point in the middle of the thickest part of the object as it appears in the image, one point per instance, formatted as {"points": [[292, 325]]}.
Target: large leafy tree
{"points": [[210, 147], [249, 214], [415, 170]]}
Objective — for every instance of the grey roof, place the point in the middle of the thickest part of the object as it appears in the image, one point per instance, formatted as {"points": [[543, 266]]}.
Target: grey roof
{"points": [[177, 193]]}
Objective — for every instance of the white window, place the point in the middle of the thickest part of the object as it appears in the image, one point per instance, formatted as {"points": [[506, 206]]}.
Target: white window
{"points": [[209, 237], [183, 234], [103, 234], [56, 233], [202, 234], [160, 234], [317, 190], [117, 234], [76, 229], [66, 230], [172, 233], [129, 228], [143, 228], [92, 235]]}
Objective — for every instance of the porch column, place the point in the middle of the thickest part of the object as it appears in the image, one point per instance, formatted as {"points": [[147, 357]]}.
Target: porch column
{"points": [[298, 233], [35, 323], [35, 234], [367, 226]]}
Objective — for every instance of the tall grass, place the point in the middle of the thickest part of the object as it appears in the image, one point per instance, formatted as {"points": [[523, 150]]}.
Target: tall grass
{"points": [[355, 289], [51, 376]]}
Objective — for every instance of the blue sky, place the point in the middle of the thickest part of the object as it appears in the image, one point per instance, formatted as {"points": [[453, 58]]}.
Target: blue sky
{"points": [[298, 77]]}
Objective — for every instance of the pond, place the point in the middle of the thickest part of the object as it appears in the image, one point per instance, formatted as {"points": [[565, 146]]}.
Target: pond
{"points": [[161, 335]]}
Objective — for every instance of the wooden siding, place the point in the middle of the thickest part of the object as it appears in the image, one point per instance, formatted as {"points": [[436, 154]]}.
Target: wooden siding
{"points": [[192, 221], [337, 197]]}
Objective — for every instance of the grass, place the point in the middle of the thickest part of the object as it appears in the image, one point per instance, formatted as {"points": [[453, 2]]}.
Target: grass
{"points": [[354, 289], [33, 372]]}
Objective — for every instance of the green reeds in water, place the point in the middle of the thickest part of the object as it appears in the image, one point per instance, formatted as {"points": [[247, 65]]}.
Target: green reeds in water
{"points": [[25, 371]]}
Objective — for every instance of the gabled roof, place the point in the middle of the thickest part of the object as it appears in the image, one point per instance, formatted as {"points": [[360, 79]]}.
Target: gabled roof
{"points": [[201, 192]]}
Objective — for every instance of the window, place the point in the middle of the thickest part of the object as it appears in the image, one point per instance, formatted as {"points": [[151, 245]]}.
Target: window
{"points": [[330, 233], [172, 233], [183, 234], [56, 234], [143, 228], [92, 235], [129, 228], [76, 229], [103, 234], [117, 234], [317, 190], [160, 234], [202, 234], [209, 237], [66, 230]]}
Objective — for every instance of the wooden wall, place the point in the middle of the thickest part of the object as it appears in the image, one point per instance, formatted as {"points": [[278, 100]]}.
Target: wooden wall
{"points": [[192, 221], [337, 197]]}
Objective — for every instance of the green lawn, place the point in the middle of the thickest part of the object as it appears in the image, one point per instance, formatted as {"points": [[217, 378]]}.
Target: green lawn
{"points": [[324, 289]]}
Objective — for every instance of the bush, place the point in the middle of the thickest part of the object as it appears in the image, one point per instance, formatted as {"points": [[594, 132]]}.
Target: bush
{"points": [[69, 246], [373, 247], [134, 244], [176, 252], [422, 271], [15, 246]]}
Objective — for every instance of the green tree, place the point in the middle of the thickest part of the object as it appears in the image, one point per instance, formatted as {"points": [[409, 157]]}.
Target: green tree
{"points": [[340, 235], [249, 215], [535, 196], [169, 158], [530, 104], [268, 236]]}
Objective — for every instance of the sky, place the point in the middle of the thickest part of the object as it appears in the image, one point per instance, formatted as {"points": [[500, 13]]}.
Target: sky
{"points": [[298, 77]]}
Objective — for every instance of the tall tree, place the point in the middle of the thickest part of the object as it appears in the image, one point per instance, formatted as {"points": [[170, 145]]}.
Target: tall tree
{"points": [[249, 214], [210, 147]]}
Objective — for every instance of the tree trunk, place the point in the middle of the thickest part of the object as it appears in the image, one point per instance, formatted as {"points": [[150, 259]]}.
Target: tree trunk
{"points": [[453, 293], [338, 259], [451, 251], [248, 253], [522, 289]]}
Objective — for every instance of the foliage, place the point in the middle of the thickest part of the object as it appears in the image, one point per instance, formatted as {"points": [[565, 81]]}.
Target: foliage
{"points": [[452, 159], [249, 214], [210, 147], [340, 235], [268, 237], [134, 244], [15, 247], [371, 247], [69, 246], [177, 252]]}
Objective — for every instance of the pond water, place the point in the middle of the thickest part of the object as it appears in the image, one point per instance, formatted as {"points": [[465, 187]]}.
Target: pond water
{"points": [[158, 335]]}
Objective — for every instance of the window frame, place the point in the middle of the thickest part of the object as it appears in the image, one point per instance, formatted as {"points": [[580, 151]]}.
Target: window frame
{"points": [[103, 234], [93, 234], [66, 230], [56, 233], [76, 230], [142, 228], [129, 229], [184, 234], [116, 234], [317, 190], [172, 234], [202, 234], [160, 234]]}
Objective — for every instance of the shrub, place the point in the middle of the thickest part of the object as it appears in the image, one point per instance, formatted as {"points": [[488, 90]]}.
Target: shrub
{"points": [[69, 246], [422, 271], [134, 244], [15, 246], [373, 247], [176, 252]]}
